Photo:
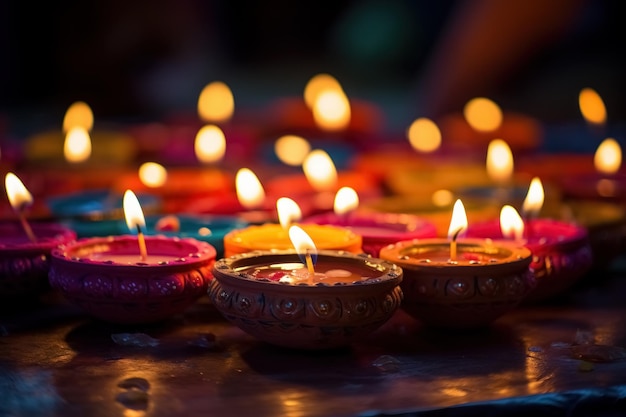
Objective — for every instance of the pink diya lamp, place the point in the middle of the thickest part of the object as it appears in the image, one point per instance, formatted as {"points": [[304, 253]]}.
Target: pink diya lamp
{"points": [[376, 229], [482, 120], [320, 181], [132, 279], [308, 298], [25, 248], [561, 250], [273, 236], [458, 282]]}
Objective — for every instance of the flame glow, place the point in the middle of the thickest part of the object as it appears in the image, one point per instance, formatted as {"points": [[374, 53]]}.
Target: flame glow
{"points": [[608, 157], [591, 106], [316, 85], [152, 175], [499, 161], [132, 212], [77, 147], [511, 223], [79, 114], [250, 192], [442, 198], [216, 103], [346, 200], [331, 110], [291, 149], [458, 222], [210, 144], [534, 198], [483, 114], [424, 135], [18, 195], [301, 241], [288, 212], [320, 170]]}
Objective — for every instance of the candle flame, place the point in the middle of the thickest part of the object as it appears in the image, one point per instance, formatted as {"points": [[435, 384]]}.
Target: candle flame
{"points": [[135, 219], [320, 170], [216, 103], [591, 106], [77, 147], [18, 195], [534, 198], [301, 241], [511, 223], [608, 157], [316, 85], [483, 114], [499, 161], [288, 212], [331, 110], [458, 222], [250, 192], [210, 144], [424, 135], [346, 200], [152, 174], [291, 149], [79, 114]]}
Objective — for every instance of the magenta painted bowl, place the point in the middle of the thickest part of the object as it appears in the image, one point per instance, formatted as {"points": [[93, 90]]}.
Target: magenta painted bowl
{"points": [[24, 265], [107, 279]]}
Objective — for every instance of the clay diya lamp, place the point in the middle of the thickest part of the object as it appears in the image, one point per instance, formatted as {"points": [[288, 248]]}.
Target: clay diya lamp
{"points": [[272, 296], [25, 248], [97, 212], [461, 285], [275, 236], [133, 279], [376, 229]]}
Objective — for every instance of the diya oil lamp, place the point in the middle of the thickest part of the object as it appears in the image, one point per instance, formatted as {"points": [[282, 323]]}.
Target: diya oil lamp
{"points": [[317, 186], [561, 251], [25, 248], [376, 229], [458, 282], [306, 299], [274, 236], [132, 279]]}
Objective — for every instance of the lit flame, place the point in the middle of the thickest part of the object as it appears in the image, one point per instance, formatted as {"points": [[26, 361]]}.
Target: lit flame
{"points": [[458, 222], [608, 157], [346, 200], [79, 114], [499, 161], [320, 170], [534, 198], [316, 85], [424, 135], [331, 110], [132, 212], [511, 223], [77, 147], [301, 241], [483, 114], [152, 174], [288, 212], [216, 103], [291, 149], [250, 192], [18, 195], [210, 144], [591, 106]]}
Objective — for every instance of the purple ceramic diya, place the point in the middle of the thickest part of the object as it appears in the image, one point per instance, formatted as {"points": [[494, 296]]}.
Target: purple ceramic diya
{"points": [[379, 229], [24, 263], [109, 278]]}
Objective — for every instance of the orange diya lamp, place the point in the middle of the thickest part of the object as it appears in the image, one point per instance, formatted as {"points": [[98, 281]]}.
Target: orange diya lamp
{"points": [[25, 247], [306, 298], [459, 282], [274, 236], [132, 278]]}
